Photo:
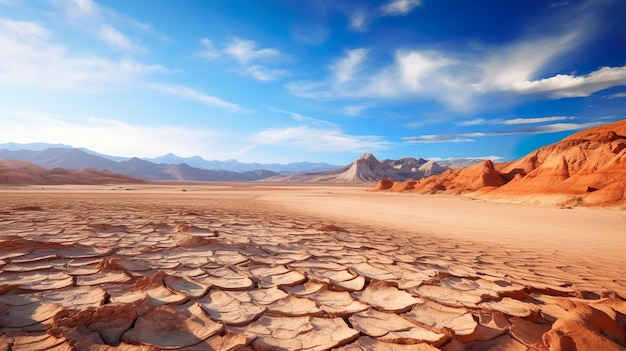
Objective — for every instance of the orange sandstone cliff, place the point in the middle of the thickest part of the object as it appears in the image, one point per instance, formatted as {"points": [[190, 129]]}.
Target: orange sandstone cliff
{"points": [[585, 169]]}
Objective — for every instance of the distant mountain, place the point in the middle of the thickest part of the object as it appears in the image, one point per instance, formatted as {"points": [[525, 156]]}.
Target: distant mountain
{"points": [[236, 166], [367, 168], [23, 172], [32, 146], [185, 172], [76, 159], [587, 168]]}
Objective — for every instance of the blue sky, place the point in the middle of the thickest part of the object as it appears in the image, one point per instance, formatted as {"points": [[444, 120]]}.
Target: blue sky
{"points": [[319, 80]]}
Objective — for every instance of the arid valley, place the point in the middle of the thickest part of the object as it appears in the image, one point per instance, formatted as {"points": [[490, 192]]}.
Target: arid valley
{"points": [[264, 266]]}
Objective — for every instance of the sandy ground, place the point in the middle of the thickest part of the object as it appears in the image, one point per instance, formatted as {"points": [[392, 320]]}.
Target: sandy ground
{"points": [[512, 277]]}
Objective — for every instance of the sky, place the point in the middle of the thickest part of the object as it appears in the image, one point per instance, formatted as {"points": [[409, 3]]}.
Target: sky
{"points": [[317, 80]]}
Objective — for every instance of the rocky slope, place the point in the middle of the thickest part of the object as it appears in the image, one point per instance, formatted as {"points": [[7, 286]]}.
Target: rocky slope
{"points": [[367, 168], [585, 169], [22, 172]]}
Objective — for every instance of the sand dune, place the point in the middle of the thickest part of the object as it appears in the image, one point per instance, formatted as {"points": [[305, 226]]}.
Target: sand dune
{"points": [[249, 266], [584, 169]]}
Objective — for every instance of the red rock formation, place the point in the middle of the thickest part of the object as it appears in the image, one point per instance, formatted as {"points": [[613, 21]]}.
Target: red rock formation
{"points": [[585, 169]]}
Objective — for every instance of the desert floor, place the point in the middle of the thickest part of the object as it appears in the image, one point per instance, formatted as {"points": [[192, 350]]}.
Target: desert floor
{"points": [[225, 266]]}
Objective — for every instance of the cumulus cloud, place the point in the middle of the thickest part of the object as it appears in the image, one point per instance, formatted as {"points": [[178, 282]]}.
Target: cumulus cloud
{"points": [[195, 95], [400, 7]]}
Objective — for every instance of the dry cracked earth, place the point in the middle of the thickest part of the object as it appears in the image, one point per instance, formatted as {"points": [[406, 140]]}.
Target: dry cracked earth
{"points": [[164, 272]]}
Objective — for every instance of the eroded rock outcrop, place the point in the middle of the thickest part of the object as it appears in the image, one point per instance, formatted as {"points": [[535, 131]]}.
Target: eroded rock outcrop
{"points": [[585, 169]]}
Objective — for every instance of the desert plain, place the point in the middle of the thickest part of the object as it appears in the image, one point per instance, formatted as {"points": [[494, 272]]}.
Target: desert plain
{"points": [[267, 266]]}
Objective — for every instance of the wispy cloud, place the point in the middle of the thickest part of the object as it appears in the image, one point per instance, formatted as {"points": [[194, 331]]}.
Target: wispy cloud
{"points": [[358, 20], [473, 122], [355, 110], [246, 56], [265, 74], [616, 96], [470, 137], [399, 7], [30, 58], [245, 50], [208, 51], [195, 95], [566, 85], [305, 119], [100, 22], [513, 121], [345, 68], [534, 120], [463, 80], [436, 138], [319, 139]]}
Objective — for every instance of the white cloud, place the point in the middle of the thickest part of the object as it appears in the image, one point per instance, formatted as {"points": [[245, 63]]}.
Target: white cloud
{"points": [[195, 95], [317, 139], [472, 122], [308, 120], [533, 120], [358, 21], [514, 121], [346, 67], [467, 137], [209, 52], [245, 51], [114, 37], [102, 23], [616, 96], [400, 7], [355, 110], [436, 138], [468, 78], [265, 74], [565, 85], [29, 59], [25, 29]]}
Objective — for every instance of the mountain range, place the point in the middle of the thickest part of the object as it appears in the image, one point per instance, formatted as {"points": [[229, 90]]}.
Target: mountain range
{"points": [[24, 172], [368, 168], [172, 167], [587, 168]]}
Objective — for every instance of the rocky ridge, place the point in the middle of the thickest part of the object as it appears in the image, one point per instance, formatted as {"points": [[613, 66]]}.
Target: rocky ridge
{"points": [[585, 169], [368, 169]]}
